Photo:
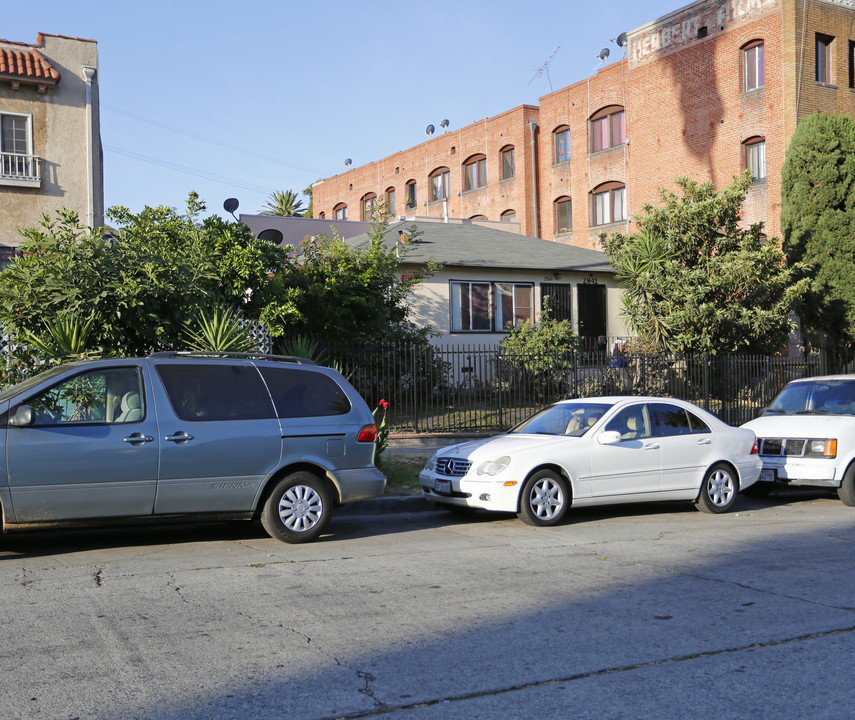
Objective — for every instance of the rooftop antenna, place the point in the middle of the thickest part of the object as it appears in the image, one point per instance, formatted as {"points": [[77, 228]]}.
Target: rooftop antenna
{"points": [[444, 125], [621, 40], [603, 54], [545, 69], [429, 130], [348, 162]]}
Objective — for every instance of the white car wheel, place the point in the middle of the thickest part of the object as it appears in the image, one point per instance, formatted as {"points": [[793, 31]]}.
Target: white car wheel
{"points": [[718, 491], [544, 499]]}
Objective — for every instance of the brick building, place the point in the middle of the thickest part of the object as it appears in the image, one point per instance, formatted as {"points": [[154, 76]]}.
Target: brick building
{"points": [[707, 91]]}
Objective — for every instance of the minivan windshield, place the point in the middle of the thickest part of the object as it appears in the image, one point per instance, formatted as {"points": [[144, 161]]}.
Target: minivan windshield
{"points": [[574, 419], [815, 397]]}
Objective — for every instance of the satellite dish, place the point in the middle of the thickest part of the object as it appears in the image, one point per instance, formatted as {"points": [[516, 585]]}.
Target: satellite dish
{"points": [[272, 235], [444, 124], [621, 40], [348, 162], [429, 130], [230, 205], [604, 53]]}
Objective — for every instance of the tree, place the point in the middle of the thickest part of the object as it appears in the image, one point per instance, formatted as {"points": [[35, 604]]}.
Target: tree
{"points": [[141, 285], [818, 222], [283, 204], [694, 280]]}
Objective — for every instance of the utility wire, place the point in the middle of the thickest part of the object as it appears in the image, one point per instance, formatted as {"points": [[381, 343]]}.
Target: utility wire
{"points": [[213, 141], [188, 170]]}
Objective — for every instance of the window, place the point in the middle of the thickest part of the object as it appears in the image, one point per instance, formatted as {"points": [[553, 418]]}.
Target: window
{"points": [[563, 215], [475, 172], [489, 306], [411, 197], [823, 59], [204, 393], [632, 423], [390, 199], [507, 155], [16, 155], [509, 216], [340, 211], [671, 420], [6, 254], [608, 204], [368, 202], [439, 185], [561, 140], [608, 128], [753, 71], [297, 393], [755, 157], [852, 64], [112, 395]]}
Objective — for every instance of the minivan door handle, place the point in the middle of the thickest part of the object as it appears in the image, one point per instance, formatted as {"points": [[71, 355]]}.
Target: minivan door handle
{"points": [[179, 437], [138, 438]]}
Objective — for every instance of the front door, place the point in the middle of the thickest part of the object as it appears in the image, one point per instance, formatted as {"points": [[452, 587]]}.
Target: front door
{"points": [[91, 452], [592, 310]]}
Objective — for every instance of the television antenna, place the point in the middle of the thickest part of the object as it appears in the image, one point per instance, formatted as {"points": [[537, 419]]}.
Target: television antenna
{"points": [[545, 69]]}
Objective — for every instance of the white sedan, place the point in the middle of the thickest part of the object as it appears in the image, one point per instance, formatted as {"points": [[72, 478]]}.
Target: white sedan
{"points": [[598, 451]]}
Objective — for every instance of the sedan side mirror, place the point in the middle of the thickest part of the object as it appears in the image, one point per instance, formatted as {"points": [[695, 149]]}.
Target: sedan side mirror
{"points": [[24, 415], [609, 437]]}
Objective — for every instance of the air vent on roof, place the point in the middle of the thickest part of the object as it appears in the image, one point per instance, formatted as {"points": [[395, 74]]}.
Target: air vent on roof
{"points": [[702, 32]]}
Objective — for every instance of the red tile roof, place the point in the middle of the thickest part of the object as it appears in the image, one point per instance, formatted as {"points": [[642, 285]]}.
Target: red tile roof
{"points": [[25, 64]]}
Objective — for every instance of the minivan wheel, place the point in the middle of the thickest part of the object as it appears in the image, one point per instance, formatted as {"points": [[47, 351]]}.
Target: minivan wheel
{"points": [[544, 499], [298, 509], [718, 491]]}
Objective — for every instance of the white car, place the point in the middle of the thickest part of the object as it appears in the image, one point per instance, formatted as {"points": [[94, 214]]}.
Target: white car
{"points": [[598, 451], [807, 436]]}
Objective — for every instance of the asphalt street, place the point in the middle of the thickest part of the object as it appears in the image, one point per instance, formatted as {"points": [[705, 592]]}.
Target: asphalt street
{"points": [[653, 611]]}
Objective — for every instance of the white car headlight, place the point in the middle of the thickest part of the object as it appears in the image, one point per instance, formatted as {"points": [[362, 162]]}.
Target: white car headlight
{"points": [[430, 465], [493, 467]]}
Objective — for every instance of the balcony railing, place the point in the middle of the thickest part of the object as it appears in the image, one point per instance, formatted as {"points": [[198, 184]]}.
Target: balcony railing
{"points": [[18, 169]]}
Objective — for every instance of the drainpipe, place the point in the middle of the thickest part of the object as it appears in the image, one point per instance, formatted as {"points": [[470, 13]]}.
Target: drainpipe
{"points": [[88, 76], [532, 126]]}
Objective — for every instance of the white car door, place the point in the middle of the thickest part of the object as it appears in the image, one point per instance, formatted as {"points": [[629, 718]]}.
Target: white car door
{"points": [[631, 466], [686, 443]]}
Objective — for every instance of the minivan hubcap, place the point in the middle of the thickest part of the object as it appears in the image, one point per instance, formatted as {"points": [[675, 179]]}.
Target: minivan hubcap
{"points": [[300, 508]]}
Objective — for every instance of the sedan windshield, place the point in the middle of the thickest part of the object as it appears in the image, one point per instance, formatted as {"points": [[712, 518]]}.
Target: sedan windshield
{"points": [[827, 397], [573, 419]]}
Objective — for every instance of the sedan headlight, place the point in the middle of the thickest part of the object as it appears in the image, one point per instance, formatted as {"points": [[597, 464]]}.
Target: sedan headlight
{"points": [[493, 467], [430, 465]]}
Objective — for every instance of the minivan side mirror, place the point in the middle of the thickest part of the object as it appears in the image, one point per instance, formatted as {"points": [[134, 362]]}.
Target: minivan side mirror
{"points": [[609, 437], [24, 415]]}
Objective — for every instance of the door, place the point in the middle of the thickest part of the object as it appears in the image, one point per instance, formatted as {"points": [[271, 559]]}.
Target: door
{"points": [[219, 436], [592, 310], [558, 297], [687, 444], [92, 450], [631, 466]]}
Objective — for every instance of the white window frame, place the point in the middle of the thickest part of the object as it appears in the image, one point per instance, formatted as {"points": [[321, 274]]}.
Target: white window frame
{"points": [[494, 295], [608, 206], [475, 174], [753, 59], [19, 168], [755, 159]]}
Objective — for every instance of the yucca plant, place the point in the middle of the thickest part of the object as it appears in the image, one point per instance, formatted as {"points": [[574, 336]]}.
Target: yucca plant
{"points": [[66, 337], [217, 330]]}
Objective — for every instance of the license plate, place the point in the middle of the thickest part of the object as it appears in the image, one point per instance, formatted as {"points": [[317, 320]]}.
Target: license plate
{"points": [[442, 487], [767, 476]]}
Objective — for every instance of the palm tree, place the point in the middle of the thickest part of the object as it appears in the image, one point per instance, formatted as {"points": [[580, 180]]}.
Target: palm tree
{"points": [[284, 204]]}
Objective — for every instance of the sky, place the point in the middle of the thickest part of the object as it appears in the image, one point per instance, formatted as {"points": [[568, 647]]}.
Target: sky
{"points": [[242, 99]]}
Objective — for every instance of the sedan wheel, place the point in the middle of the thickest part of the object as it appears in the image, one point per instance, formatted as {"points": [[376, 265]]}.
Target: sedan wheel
{"points": [[298, 509], [718, 492], [544, 500]]}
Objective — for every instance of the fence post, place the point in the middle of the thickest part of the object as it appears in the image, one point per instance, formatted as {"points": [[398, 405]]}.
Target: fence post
{"points": [[706, 370], [498, 383]]}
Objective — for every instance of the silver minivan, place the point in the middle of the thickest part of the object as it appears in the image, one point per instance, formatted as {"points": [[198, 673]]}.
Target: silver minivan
{"points": [[184, 435]]}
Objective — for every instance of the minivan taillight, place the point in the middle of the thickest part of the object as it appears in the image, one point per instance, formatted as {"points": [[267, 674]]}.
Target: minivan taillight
{"points": [[368, 434]]}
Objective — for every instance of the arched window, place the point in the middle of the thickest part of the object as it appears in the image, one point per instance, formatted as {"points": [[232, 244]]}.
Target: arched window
{"points": [[507, 157], [561, 144], [478, 217], [753, 66], [390, 199], [563, 215], [475, 172], [322, 216], [608, 203], [340, 211], [369, 200], [754, 157], [509, 216], [607, 128], [411, 198], [439, 184]]}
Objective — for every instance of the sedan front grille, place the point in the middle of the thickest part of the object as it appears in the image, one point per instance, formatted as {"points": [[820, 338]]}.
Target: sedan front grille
{"points": [[452, 467]]}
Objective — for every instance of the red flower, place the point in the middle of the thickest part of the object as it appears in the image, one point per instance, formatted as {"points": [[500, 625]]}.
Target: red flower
{"points": [[383, 404]]}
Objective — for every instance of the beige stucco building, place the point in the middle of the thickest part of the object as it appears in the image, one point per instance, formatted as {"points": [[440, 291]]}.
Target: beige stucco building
{"points": [[50, 136]]}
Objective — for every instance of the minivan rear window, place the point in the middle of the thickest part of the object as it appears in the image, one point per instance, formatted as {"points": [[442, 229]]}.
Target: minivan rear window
{"points": [[298, 393], [200, 393]]}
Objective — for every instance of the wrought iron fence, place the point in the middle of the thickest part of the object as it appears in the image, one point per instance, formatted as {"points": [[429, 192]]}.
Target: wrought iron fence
{"points": [[463, 389]]}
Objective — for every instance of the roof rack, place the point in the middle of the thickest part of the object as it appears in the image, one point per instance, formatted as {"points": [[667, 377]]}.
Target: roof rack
{"points": [[241, 355]]}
